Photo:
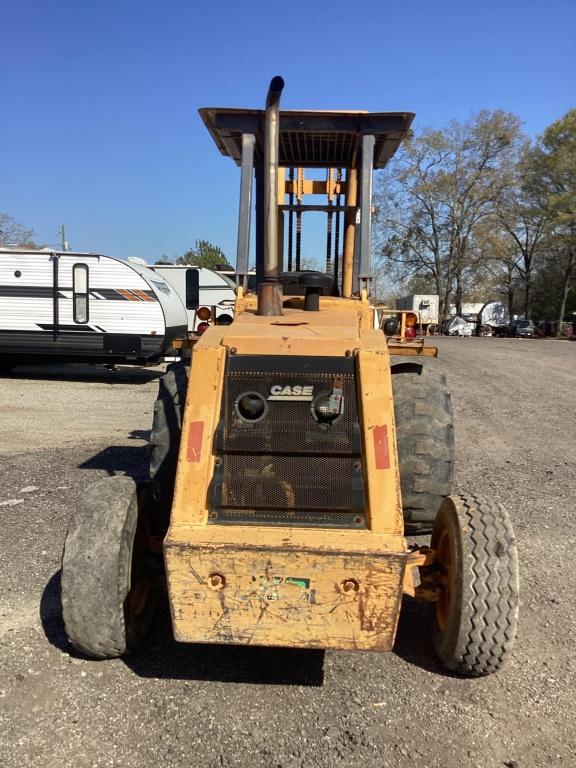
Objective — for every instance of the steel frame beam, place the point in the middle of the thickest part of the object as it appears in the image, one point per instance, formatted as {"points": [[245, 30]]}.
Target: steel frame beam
{"points": [[364, 266], [245, 209]]}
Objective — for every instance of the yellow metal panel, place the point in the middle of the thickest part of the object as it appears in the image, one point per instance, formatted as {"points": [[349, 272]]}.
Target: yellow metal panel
{"points": [[288, 538], [269, 593], [381, 475], [306, 587], [416, 349], [195, 462]]}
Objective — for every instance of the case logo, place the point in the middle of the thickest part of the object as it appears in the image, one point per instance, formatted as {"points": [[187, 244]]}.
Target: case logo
{"points": [[291, 392]]}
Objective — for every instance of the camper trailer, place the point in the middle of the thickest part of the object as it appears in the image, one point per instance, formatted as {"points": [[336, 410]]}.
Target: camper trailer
{"points": [[84, 307], [207, 295], [426, 305]]}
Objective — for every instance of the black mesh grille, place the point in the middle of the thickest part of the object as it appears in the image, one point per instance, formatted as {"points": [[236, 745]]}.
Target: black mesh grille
{"points": [[289, 426], [286, 467], [310, 518]]}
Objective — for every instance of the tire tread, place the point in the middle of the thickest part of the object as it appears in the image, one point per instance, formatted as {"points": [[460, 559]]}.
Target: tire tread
{"points": [[425, 442], [490, 589]]}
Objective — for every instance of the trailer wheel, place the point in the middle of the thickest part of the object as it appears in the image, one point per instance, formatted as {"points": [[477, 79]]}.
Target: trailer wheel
{"points": [[110, 582], [474, 621], [425, 442], [165, 434]]}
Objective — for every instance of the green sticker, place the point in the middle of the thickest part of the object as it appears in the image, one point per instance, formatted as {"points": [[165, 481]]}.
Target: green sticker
{"points": [[302, 583]]}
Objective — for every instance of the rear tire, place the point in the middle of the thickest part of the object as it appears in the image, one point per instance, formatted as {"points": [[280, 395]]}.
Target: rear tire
{"points": [[425, 442], [474, 622], [165, 434], [108, 596]]}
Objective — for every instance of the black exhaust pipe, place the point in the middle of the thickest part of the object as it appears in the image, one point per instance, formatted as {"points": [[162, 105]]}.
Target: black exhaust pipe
{"points": [[270, 288]]}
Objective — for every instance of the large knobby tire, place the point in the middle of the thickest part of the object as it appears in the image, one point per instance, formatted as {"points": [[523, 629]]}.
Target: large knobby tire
{"points": [[166, 432], [425, 442], [107, 601], [474, 621]]}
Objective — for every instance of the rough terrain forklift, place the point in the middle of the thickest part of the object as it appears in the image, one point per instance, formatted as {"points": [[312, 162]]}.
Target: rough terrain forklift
{"points": [[303, 447]]}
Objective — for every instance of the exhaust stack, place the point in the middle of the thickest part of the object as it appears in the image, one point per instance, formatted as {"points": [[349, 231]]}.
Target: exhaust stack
{"points": [[270, 288]]}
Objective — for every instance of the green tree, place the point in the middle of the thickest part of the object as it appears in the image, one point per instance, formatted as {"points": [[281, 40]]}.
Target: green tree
{"points": [[204, 254]]}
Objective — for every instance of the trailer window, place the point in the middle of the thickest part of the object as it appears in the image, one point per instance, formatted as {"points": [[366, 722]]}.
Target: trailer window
{"points": [[192, 289], [80, 293]]}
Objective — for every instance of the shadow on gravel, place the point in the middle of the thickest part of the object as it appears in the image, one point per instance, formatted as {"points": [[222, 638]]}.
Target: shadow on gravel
{"points": [[51, 614], [230, 664], [132, 460], [97, 374], [162, 657], [139, 434], [413, 641]]}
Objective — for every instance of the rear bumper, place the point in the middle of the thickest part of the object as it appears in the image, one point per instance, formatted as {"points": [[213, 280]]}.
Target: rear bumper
{"points": [[284, 586]]}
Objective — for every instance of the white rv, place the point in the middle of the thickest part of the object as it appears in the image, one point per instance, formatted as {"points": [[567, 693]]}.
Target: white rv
{"points": [[73, 307], [200, 288]]}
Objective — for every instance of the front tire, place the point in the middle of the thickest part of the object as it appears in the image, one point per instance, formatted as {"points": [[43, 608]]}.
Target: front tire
{"points": [[108, 590], [474, 621]]}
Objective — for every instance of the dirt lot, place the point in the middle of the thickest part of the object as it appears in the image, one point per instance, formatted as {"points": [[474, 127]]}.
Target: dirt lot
{"points": [[176, 705]]}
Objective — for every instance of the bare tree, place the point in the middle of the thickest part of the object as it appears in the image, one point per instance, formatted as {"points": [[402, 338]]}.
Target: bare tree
{"points": [[524, 221], [554, 164], [412, 225], [495, 259], [13, 233], [432, 199]]}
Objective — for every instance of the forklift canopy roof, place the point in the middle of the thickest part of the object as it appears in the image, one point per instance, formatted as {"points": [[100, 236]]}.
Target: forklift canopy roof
{"points": [[310, 139]]}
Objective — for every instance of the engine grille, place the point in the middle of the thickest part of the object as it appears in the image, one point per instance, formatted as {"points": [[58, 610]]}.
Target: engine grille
{"points": [[287, 468]]}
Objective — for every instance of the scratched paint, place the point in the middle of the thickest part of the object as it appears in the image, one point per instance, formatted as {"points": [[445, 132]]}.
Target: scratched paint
{"points": [[274, 601]]}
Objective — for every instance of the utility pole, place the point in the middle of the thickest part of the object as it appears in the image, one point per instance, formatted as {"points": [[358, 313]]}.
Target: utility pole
{"points": [[63, 237]]}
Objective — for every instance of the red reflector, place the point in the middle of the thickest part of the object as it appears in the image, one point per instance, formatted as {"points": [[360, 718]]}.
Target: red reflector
{"points": [[381, 452], [195, 432], [202, 327], [410, 333]]}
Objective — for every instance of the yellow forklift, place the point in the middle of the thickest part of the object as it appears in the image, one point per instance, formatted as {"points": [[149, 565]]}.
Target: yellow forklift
{"points": [[303, 446]]}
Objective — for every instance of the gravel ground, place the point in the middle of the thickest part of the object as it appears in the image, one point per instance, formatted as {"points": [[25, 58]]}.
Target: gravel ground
{"points": [[179, 705]]}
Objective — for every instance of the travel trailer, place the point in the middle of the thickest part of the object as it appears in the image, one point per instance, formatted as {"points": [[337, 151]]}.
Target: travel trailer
{"points": [[84, 307], [201, 289]]}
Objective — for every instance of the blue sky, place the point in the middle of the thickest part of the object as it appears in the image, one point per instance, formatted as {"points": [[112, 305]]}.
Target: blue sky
{"points": [[100, 129]]}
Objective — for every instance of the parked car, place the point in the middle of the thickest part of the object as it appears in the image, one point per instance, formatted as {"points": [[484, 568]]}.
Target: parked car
{"points": [[544, 328], [517, 328], [523, 329]]}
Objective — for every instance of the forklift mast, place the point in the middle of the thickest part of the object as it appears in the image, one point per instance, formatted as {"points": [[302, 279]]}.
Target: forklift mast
{"points": [[274, 148]]}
